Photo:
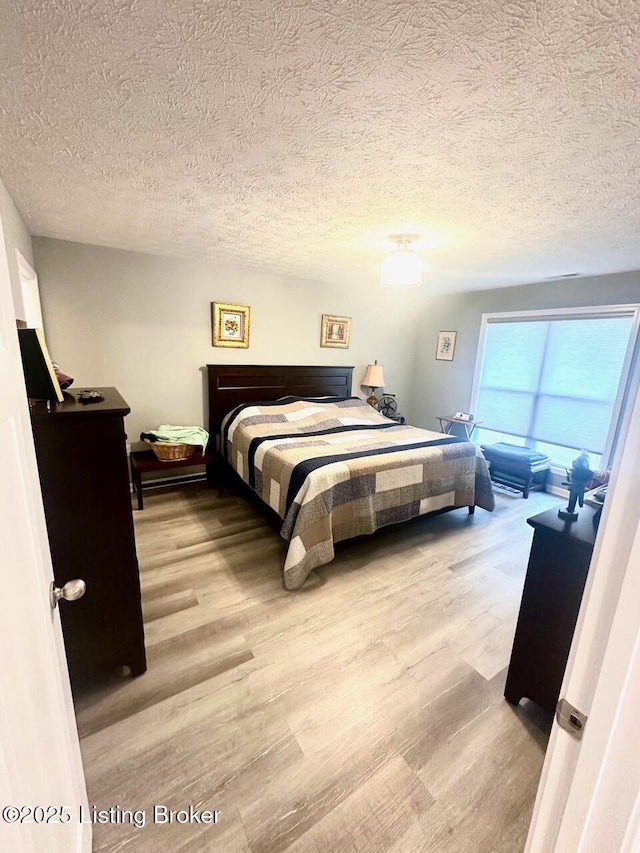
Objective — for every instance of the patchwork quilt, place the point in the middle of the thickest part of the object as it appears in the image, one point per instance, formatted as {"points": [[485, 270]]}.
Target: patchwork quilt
{"points": [[335, 468]]}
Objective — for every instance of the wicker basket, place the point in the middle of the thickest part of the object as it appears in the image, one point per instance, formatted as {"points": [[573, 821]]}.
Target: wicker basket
{"points": [[171, 451]]}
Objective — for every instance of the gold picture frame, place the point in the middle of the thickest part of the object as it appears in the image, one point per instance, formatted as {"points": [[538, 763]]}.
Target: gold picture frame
{"points": [[230, 324], [335, 331]]}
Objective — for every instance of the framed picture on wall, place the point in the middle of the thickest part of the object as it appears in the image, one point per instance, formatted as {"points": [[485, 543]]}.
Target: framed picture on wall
{"points": [[40, 376], [446, 346], [335, 331], [230, 324]]}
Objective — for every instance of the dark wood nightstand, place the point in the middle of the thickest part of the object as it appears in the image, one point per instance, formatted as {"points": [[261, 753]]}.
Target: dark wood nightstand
{"points": [[146, 460]]}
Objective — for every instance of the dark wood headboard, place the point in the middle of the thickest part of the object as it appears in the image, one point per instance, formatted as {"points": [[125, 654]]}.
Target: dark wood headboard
{"points": [[233, 384]]}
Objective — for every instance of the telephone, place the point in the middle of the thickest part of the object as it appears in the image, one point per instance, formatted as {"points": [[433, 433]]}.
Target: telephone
{"points": [[464, 416]]}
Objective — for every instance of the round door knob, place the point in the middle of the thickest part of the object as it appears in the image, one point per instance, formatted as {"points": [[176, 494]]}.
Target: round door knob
{"points": [[71, 591]]}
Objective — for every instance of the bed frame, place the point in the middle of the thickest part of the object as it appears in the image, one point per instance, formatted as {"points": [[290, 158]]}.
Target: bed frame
{"points": [[230, 385]]}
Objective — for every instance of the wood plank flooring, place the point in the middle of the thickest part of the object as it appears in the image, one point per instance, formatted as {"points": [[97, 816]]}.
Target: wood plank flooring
{"points": [[361, 713]]}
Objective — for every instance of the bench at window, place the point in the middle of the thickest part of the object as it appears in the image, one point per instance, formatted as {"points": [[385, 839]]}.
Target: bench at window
{"points": [[518, 467]]}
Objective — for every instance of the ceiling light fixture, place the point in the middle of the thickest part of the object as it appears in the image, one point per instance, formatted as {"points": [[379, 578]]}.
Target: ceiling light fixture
{"points": [[403, 267]]}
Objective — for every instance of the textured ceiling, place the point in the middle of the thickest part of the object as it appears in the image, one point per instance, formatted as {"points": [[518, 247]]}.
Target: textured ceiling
{"points": [[296, 134]]}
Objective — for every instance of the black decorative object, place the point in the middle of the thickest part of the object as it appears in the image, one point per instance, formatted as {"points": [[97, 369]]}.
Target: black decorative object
{"points": [[577, 480], [90, 395]]}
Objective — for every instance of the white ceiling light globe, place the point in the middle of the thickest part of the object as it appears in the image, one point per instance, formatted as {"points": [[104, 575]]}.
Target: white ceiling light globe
{"points": [[402, 268]]}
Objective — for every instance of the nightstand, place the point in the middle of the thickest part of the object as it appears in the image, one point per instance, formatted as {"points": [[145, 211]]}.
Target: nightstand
{"points": [[146, 460]]}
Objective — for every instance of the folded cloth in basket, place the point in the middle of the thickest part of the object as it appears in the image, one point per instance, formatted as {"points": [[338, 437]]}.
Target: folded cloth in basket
{"points": [[195, 435]]}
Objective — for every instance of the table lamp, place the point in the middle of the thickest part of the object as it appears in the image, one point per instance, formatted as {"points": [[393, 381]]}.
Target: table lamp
{"points": [[374, 378]]}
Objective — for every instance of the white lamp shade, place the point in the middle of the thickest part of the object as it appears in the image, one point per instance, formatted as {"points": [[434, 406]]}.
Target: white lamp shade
{"points": [[374, 377], [402, 268]]}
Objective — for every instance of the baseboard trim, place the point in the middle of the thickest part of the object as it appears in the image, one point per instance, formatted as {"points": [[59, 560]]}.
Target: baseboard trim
{"points": [[557, 490]]}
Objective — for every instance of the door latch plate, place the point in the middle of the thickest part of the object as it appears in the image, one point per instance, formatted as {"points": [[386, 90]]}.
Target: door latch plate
{"points": [[570, 719]]}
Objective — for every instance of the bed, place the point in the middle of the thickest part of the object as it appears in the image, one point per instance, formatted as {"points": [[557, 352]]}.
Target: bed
{"points": [[331, 467]]}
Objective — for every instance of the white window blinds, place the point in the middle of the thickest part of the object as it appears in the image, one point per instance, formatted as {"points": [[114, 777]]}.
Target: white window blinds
{"points": [[554, 380]]}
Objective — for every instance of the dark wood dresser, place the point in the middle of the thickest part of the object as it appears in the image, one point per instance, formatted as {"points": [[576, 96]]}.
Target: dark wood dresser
{"points": [[82, 463], [556, 576]]}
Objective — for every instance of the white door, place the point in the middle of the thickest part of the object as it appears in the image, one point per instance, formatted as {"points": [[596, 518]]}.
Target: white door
{"points": [[40, 762]]}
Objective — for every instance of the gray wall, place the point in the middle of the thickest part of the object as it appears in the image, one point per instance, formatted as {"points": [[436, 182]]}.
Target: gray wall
{"points": [[16, 236], [442, 387], [143, 323]]}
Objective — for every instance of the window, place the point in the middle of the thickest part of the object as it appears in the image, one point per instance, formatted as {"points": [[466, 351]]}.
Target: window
{"points": [[554, 381]]}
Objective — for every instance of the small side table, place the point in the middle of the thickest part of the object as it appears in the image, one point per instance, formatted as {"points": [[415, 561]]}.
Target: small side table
{"points": [[447, 422], [146, 460]]}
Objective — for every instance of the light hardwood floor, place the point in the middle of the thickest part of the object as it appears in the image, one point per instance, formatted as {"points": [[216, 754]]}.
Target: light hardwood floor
{"points": [[361, 713]]}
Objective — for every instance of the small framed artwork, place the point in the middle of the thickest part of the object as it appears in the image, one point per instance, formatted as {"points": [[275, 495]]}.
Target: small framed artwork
{"points": [[446, 346], [335, 331], [230, 325]]}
